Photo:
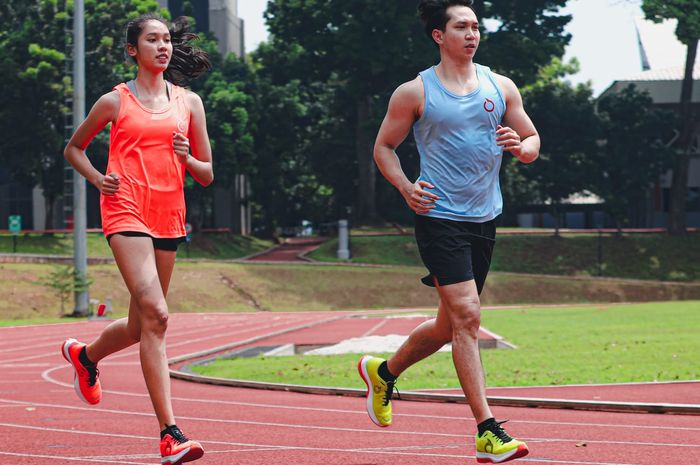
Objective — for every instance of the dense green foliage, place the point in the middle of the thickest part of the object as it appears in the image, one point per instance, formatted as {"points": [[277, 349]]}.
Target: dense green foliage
{"points": [[299, 114], [687, 15]]}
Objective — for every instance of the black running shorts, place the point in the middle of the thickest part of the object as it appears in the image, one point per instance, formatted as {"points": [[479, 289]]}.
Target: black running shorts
{"points": [[455, 251], [169, 243]]}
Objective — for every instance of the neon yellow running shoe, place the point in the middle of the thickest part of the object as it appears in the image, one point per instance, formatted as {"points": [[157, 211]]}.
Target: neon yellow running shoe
{"points": [[497, 447], [378, 391]]}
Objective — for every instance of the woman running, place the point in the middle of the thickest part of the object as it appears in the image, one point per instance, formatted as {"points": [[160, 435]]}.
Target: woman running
{"points": [[154, 124]]}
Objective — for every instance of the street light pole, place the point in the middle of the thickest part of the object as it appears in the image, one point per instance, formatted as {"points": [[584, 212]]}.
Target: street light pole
{"points": [[79, 201]]}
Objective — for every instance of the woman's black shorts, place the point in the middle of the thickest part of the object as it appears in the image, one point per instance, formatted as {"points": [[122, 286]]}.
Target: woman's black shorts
{"points": [[168, 243], [455, 251]]}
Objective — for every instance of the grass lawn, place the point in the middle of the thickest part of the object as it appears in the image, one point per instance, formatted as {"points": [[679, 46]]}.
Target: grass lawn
{"points": [[37, 321], [638, 256], [602, 344], [209, 245], [230, 287]]}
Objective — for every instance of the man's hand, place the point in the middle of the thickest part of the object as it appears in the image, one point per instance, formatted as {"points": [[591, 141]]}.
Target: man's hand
{"points": [[508, 139], [418, 199]]}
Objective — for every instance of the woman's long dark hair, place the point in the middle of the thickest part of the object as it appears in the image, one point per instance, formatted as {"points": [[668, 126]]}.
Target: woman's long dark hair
{"points": [[187, 62]]}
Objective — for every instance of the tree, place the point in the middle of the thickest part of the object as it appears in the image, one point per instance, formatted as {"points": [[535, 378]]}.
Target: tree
{"points": [[32, 102], [687, 13], [566, 121], [633, 135], [297, 168], [32, 105], [370, 46]]}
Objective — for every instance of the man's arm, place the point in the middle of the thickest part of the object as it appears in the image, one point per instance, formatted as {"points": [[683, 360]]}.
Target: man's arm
{"points": [[405, 107], [518, 135]]}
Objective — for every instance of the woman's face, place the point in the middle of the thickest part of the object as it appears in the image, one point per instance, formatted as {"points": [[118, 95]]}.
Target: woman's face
{"points": [[154, 49]]}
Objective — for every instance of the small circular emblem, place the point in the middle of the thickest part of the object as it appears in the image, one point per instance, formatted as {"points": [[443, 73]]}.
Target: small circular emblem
{"points": [[489, 105]]}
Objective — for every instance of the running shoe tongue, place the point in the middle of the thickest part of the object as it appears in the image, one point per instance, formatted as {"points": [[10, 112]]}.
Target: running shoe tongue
{"points": [[177, 434]]}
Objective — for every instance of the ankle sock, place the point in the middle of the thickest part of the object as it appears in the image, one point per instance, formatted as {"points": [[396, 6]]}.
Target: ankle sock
{"points": [[166, 431], [385, 373], [486, 425], [82, 356]]}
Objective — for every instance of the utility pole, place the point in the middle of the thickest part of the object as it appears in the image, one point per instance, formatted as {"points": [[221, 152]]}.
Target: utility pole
{"points": [[79, 201]]}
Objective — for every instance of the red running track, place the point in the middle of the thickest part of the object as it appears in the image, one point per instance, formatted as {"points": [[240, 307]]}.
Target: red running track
{"points": [[43, 422], [290, 251]]}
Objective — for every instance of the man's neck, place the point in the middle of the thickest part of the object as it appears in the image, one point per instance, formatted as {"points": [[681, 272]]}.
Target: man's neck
{"points": [[457, 73]]}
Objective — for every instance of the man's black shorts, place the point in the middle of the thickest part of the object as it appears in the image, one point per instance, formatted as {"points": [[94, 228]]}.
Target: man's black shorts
{"points": [[455, 251]]}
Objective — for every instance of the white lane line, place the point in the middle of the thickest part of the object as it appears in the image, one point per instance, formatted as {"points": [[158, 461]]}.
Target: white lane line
{"points": [[267, 447], [245, 422], [74, 459], [47, 376], [219, 335], [175, 334], [352, 430], [249, 328], [22, 381], [375, 327], [25, 365]]}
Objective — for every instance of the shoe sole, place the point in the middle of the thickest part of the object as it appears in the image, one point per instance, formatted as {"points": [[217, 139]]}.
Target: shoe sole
{"points": [[483, 457], [65, 347], [362, 369], [188, 455]]}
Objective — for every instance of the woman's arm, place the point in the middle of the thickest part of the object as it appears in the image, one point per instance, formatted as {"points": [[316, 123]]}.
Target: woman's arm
{"points": [[106, 109], [199, 164]]}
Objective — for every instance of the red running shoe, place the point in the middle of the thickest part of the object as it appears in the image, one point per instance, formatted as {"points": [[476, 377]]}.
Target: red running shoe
{"points": [[175, 448], [87, 378]]}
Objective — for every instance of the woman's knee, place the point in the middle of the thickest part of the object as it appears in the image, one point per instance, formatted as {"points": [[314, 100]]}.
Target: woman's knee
{"points": [[154, 317]]}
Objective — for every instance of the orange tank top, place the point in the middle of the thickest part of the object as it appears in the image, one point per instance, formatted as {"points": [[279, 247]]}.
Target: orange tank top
{"points": [[151, 196]]}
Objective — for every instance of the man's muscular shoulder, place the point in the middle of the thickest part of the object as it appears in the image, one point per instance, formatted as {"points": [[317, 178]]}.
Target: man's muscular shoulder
{"points": [[410, 96]]}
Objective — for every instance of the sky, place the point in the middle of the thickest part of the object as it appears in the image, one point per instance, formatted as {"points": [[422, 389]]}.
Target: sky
{"points": [[603, 37]]}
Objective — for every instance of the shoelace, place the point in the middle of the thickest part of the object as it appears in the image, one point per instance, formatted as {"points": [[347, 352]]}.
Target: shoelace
{"points": [[94, 373], [390, 386], [500, 432], [177, 434]]}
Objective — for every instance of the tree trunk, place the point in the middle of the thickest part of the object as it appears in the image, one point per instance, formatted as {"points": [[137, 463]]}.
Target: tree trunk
{"points": [[681, 162], [48, 216], [366, 171]]}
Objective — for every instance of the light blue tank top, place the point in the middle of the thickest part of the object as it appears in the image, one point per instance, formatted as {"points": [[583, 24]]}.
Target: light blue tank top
{"points": [[456, 140]]}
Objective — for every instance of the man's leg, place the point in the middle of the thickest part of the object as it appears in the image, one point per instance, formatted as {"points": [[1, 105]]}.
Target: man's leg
{"points": [[463, 308], [424, 340], [493, 444]]}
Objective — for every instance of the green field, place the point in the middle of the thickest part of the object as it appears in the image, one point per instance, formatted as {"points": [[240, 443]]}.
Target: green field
{"points": [[597, 344], [216, 286], [209, 245], [638, 256]]}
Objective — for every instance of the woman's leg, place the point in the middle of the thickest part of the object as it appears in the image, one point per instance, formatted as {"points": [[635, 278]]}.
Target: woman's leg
{"points": [[137, 262], [125, 332]]}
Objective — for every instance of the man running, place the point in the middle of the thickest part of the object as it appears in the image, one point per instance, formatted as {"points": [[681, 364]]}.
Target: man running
{"points": [[463, 117]]}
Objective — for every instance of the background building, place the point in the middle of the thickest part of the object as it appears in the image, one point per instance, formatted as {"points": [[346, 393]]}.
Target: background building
{"points": [[663, 65]]}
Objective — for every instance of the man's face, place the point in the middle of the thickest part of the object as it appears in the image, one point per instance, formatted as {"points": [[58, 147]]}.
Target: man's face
{"points": [[461, 36]]}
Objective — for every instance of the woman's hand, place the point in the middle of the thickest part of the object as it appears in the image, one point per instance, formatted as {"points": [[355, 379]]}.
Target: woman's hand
{"points": [[181, 145], [109, 184]]}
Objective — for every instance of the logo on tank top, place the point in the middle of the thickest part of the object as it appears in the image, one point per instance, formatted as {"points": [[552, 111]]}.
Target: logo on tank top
{"points": [[489, 105], [181, 115]]}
